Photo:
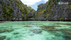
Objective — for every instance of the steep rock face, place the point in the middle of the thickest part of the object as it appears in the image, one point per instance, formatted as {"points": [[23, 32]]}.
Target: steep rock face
{"points": [[41, 7], [14, 10], [9, 10], [51, 10], [45, 9], [30, 14], [1, 16], [39, 15], [61, 12]]}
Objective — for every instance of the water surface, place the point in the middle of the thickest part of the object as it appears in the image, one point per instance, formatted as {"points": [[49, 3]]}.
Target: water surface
{"points": [[23, 30]]}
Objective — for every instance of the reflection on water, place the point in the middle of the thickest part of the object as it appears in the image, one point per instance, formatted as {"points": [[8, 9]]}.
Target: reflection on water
{"points": [[35, 30]]}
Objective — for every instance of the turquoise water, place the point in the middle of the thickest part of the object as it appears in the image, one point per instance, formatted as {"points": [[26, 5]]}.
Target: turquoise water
{"points": [[23, 30]]}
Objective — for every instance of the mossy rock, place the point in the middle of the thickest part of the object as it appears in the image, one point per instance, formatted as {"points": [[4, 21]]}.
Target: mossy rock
{"points": [[2, 38], [28, 26], [52, 28], [67, 35], [16, 33], [7, 39], [6, 30]]}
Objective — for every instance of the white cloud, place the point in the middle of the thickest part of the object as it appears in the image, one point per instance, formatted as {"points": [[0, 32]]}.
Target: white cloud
{"points": [[45, 0], [30, 2]]}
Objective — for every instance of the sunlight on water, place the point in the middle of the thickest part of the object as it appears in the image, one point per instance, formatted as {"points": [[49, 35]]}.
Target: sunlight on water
{"points": [[35, 30]]}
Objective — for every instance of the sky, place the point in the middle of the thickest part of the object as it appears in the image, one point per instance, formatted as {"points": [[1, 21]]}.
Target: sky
{"points": [[33, 3]]}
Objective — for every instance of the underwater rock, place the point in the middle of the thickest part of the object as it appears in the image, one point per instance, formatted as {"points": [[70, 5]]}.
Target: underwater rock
{"points": [[6, 30], [67, 36], [7, 39], [57, 35], [37, 31], [16, 33], [2, 38], [28, 26]]}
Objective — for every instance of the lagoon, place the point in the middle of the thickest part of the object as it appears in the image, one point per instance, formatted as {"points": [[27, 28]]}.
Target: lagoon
{"points": [[35, 30]]}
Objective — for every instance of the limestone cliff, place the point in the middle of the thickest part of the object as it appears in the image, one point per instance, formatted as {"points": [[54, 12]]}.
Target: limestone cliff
{"points": [[13, 10], [61, 12], [53, 11]]}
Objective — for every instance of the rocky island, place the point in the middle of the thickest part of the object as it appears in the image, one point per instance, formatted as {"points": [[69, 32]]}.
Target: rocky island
{"points": [[15, 10]]}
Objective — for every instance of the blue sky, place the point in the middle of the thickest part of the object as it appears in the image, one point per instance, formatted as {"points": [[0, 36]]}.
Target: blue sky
{"points": [[33, 3]]}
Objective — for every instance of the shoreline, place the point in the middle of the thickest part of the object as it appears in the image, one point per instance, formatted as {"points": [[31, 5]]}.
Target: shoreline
{"points": [[13, 21]]}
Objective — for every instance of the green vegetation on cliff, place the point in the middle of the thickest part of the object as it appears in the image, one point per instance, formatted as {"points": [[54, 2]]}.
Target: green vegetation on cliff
{"points": [[7, 10], [31, 9], [22, 7], [69, 6], [47, 9]]}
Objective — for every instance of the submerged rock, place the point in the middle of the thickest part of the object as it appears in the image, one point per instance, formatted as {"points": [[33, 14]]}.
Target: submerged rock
{"points": [[28, 26], [16, 33], [37, 31], [67, 35], [7, 39], [2, 38], [6, 30]]}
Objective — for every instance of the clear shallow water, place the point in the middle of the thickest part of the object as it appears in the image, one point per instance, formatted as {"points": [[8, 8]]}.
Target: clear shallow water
{"points": [[22, 30]]}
